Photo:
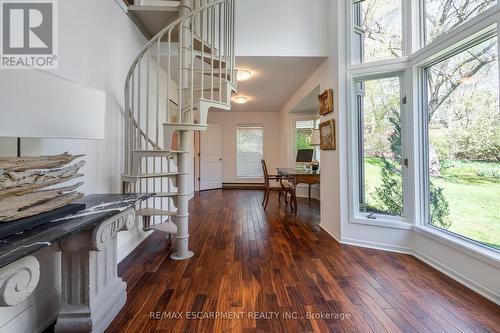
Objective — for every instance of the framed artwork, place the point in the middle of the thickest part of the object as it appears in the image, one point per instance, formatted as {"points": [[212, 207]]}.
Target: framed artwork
{"points": [[326, 102], [327, 135]]}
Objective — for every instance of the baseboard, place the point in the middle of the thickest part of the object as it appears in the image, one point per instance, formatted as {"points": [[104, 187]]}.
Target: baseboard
{"points": [[127, 248], [377, 246], [243, 186], [333, 235], [483, 291]]}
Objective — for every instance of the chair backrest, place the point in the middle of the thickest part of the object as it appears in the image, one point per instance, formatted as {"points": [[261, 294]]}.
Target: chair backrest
{"points": [[266, 175]]}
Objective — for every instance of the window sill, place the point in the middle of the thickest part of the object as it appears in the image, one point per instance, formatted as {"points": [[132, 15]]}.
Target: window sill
{"points": [[384, 223], [484, 254]]}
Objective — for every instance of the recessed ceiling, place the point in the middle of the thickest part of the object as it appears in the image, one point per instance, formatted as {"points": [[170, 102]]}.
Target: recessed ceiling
{"points": [[274, 80]]}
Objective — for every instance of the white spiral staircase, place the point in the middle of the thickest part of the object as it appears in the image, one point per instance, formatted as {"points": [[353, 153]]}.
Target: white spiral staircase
{"points": [[185, 70]]}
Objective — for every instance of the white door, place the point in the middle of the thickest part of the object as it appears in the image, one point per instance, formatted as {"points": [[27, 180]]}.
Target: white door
{"points": [[211, 158]]}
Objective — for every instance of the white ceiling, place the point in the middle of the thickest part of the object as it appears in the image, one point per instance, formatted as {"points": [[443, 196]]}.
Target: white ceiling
{"points": [[274, 80]]}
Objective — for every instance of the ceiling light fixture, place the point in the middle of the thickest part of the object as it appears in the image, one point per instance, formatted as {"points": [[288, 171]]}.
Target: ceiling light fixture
{"points": [[240, 99], [243, 74]]}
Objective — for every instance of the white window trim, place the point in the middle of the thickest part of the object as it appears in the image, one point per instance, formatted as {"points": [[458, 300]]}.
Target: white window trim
{"points": [[355, 215], [411, 64], [249, 178], [293, 135], [470, 248]]}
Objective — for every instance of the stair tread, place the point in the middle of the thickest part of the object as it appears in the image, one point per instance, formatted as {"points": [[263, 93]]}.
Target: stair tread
{"points": [[170, 194], [209, 60], [223, 75], [159, 151], [155, 212], [168, 227], [169, 6], [156, 174], [187, 125], [199, 89]]}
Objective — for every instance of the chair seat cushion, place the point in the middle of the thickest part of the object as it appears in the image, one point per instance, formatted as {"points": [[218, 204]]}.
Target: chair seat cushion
{"points": [[286, 184]]}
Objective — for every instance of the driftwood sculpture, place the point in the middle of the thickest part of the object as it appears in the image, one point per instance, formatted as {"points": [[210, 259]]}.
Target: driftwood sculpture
{"points": [[25, 182]]}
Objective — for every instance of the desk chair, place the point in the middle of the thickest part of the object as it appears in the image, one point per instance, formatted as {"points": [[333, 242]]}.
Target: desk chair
{"points": [[276, 183]]}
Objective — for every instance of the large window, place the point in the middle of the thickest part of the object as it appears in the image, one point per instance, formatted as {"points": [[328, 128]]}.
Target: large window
{"points": [[443, 15], [464, 143], [378, 31], [424, 140], [380, 162], [250, 151]]}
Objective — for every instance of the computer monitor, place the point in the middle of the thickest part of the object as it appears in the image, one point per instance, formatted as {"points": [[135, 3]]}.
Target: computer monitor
{"points": [[305, 155]]}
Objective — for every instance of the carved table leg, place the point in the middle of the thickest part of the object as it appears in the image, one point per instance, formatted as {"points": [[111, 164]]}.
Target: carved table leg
{"points": [[92, 292]]}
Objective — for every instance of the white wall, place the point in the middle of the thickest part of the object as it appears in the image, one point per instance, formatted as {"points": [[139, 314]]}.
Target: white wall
{"points": [[98, 42], [229, 121], [330, 195], [282, 28]]}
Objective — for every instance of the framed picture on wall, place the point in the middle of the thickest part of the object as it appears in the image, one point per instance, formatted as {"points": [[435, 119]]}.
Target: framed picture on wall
{"points": [[326, 102], [327, 135]]}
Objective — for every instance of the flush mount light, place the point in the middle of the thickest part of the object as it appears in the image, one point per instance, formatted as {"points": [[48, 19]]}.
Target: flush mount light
{"points": [[243, 74], [240, 99]]}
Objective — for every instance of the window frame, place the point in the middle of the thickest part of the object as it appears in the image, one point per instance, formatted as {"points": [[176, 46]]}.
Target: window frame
{"points": [[485, 35], [316, 120], [406, 34], [423, 23], [237, 149], [355, 153], [418, 55]]}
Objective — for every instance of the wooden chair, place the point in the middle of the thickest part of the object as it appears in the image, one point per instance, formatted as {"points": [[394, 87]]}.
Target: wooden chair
{"points": [[282, 186]]}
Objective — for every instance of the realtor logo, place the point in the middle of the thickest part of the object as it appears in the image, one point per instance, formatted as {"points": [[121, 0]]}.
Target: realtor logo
{"points": [[29, 34]]}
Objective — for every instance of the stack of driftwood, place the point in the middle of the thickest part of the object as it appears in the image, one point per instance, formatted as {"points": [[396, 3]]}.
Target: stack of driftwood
{"points": [[28, 185]]}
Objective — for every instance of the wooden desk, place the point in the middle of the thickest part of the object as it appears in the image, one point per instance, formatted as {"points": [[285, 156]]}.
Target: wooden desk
{"points": [[300, 176]]}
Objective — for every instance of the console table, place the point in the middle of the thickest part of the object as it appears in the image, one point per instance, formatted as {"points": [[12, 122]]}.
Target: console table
{"points": [[92, 292]]}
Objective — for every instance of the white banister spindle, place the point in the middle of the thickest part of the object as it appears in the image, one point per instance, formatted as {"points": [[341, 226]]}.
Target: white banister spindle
{"points": [[191, 74], [233, 62], [181, 64], [220, 52], [169, 112], [139, 104], [212, 38], [202, 54]]}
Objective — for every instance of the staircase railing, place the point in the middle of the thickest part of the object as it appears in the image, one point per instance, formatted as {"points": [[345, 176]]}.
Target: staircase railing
{"points": [[198, 65], [188, 67]]}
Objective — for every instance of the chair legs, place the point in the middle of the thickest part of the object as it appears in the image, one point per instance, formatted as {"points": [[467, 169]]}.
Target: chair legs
{"points": [[293, 198]]}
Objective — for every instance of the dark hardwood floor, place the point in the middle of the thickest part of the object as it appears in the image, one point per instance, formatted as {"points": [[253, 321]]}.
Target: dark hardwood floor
{"points": [[285, 268]]}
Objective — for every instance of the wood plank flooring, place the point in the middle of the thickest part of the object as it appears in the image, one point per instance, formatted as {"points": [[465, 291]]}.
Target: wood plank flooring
{"points": [[271, 271]]}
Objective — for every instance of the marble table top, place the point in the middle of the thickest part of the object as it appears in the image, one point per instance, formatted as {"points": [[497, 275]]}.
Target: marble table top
{"points": [[100, 207]]}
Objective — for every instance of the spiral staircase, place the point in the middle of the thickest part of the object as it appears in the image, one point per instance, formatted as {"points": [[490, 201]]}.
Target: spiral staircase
{"points": [[184, 71]]}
